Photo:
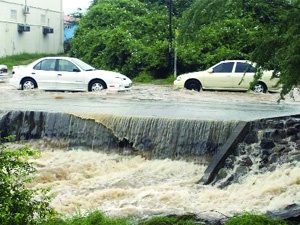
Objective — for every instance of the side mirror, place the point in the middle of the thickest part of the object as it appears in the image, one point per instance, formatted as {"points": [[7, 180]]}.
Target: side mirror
{"points": [[210, 70], [76, 70]]}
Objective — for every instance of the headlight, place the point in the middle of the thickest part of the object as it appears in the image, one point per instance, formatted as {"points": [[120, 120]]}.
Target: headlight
{"points": [[277, 75], [179, 78], [120, 78]]}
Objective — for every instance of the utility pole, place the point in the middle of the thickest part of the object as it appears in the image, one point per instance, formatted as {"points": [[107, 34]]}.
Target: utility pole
{"points": [[170, 36]]}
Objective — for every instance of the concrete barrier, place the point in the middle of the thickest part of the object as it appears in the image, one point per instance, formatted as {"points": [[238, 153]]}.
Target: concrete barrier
{"points": [[227, 149]]}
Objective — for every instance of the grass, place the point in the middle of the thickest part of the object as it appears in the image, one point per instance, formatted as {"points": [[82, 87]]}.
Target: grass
{"points": [[21, 59], [248, 219], [98, 218], [146, 78]]}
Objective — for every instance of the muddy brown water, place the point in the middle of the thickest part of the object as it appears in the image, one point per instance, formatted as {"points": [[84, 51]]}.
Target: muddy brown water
{"points": [[154, 101], [84, 180]]}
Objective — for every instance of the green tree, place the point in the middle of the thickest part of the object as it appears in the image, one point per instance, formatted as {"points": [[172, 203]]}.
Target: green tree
{"points": [[20, 205], [124, 35], [278, 45], [215, 30]]}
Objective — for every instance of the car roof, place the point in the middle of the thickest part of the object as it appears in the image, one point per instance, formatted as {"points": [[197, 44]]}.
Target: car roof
{"points": [[237, 60], [57, 57]]}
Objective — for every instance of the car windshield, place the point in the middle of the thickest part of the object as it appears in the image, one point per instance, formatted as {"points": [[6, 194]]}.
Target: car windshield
{"points": [[82, 65]]}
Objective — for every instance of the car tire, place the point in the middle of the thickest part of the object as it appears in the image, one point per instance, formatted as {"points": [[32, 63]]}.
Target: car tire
{"points": [[193, 85], [97, 85], [260, 88], [28, 84]]}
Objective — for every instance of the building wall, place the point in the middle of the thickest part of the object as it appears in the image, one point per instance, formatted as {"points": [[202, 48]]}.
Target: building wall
{"points": [[41, 13], [69, 31]]}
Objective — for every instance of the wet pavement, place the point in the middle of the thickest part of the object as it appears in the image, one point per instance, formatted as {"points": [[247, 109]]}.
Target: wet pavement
{"points": [[153, 101]]}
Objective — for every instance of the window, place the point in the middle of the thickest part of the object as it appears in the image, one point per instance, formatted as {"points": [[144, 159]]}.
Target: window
{"points": [[43, 19], [64, 65], [224, 67], [47, 64], [242, 67], [68, 27], [13, 15]]}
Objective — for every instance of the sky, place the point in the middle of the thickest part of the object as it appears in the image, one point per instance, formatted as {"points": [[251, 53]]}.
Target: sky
{"points": [[70, 6]]}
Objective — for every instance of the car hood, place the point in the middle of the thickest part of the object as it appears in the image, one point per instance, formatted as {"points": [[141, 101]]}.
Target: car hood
{"points": [[107, 73], [193, 74]]}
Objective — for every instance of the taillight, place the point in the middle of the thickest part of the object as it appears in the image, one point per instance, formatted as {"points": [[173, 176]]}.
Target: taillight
{"points": [[4, 70]]}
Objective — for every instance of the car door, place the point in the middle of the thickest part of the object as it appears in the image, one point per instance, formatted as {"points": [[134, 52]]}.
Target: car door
{"points": [[45, 75], [219, 76], [69, 76], [243, 75]]}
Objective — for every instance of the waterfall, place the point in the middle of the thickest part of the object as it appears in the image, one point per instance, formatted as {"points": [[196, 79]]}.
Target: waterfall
{"points": [[168, 138], [194, 140]]}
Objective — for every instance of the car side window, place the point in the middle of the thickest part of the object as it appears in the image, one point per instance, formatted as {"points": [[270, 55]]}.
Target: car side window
{"points": [[242, 67], [224, 67], [67, 66], [47, 64]]}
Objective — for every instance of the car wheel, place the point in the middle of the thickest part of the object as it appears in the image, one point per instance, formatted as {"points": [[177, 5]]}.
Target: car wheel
{"points": [[260, 88], [28, 84], [193, 85], [97, 85]]}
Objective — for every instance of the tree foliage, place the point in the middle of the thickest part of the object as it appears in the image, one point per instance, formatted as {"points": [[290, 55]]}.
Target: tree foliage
{"points": [[20, 205], [278, 45], [124, 35], [132, 36]]}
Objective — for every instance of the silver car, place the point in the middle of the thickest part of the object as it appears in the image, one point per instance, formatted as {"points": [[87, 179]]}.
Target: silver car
{"points": [[3, 71]]}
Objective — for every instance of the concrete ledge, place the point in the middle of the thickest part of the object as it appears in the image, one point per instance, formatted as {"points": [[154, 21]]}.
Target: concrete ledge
{"points": [[227, 149]]}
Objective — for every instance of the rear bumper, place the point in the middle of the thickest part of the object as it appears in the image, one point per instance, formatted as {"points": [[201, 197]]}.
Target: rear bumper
{"points": [[15, 83]]}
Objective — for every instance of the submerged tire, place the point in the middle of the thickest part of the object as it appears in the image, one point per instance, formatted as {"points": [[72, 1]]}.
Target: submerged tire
{"points": [[28, 84], [97, 85], [193, 85], [260, 88]]}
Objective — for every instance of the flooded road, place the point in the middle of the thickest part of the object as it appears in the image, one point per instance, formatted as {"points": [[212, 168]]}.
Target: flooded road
{"points": [[154, 101]]}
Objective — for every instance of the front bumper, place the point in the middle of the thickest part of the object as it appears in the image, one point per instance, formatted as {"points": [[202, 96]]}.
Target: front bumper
{"points": [[178, 83], [120, 87]]}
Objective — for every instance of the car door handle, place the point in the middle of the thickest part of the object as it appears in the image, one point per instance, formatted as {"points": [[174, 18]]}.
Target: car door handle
{"points": [[59, 74]]}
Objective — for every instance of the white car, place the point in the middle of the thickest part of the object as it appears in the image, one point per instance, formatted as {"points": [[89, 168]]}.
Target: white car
{"points": [[66, 74], [228, 75], [3, 71]]}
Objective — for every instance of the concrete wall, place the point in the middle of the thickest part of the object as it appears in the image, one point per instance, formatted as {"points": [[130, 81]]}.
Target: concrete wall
{"points": [[41, 13], [153, 138]]}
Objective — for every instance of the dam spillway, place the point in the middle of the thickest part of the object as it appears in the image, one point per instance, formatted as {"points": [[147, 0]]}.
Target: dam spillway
{"points": [[148, 136], [274, 142]]}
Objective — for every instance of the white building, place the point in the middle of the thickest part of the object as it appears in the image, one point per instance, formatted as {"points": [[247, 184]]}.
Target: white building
{"points": [[31, 26]]}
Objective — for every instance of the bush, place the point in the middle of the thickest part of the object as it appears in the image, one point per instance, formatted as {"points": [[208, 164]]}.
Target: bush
{"points": [[93, 218], [248, 219], [20, 205], [143, 77], [169, 221]]}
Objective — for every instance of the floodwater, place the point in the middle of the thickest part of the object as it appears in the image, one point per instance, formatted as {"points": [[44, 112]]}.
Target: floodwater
{"points": [[154, 101], [83, 180], [132, 186]]}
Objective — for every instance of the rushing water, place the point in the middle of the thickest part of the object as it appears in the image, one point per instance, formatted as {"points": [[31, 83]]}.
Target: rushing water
{"points": [[133, 186]]}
